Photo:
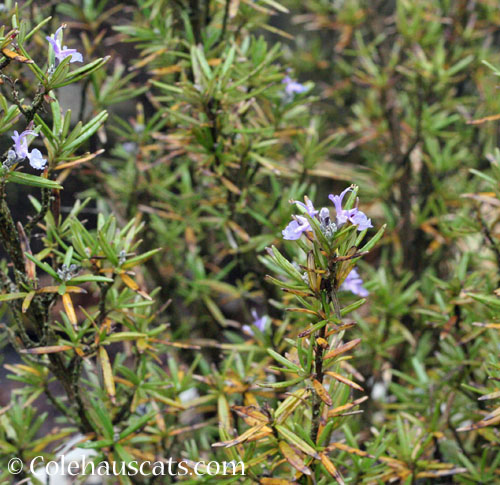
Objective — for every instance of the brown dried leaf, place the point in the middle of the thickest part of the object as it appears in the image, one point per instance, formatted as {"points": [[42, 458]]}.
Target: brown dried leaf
{"points": [[348, 449], [448, 326], [322, 392], [344, 380], [243, 437], [303, 310], [343, 348], [25, 247], [340, 328], [79, 161], [14, 56], [480, 424], [50, 349], [251, 415], [480, 121]]}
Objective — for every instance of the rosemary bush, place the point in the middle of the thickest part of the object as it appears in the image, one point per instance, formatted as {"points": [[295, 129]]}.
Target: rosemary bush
{"points": [[250, 241]]}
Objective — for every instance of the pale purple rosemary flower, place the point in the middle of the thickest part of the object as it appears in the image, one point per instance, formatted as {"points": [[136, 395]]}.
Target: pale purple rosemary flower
{"points": [[63, 52], [258, 322], [21, 150], [355, 216], [308, 206], [292, 87], [354, 284], [294, 230], [300, 224], [361, 220]]}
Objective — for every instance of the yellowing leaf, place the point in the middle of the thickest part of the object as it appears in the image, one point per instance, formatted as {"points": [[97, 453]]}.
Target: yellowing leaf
{"points": [[346, 407], [292, 457], [129, 281], [480, 121], [251, 415], [27, 301], [293, 439], [107, 373], [69, 309], [14, 56], [55, 289], [341, 349], [289, 405], [133, 285], [344, 380], [322, 392], [87, 157], [348, 449], [50, 349], [242, 438], [224, 414], [230, 186], [331, 469], [440, 473]]}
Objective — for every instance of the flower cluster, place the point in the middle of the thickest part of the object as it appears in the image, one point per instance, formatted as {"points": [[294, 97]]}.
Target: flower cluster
{"points": [[354, 284], [63, 52], [258, 322], [66, 272], [300, 224], [293, 87], [355, 216], [20, 151]]}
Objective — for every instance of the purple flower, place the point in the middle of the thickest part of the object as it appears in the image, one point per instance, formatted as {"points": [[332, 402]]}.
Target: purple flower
{"points": [[359, 219], [354, 284], [258, 322], [294, 230], [355, 216], [292, 87], [21, 143], [21, 150], [308, 206], [342, 215], [300, 224], [63, 52]]}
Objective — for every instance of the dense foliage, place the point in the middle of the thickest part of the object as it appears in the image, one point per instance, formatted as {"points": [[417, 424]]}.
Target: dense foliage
{"points": [[252, 232]]}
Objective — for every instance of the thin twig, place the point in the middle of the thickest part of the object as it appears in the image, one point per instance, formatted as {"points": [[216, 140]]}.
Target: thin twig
{"points": [[489, 237], [41, 213]]}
